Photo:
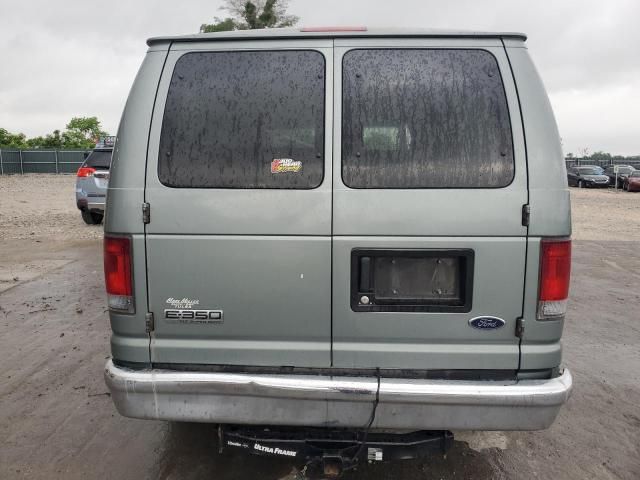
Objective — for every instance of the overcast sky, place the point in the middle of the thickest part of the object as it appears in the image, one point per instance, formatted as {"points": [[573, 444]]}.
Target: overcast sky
{"points": [[79, 57]]}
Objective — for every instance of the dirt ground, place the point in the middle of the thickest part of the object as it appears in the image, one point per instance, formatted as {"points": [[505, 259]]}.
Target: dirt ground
{"points": [[605, 214], [41, 205], [57, 420]]}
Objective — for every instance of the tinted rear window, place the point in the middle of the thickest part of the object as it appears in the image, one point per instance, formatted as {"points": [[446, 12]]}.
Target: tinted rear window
{"points": [[424, 119], [99, 159], [244, 120]]}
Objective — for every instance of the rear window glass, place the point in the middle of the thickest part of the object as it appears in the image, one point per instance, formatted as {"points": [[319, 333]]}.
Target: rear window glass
{"points": [[99, 159], [244, 120], [424, 119]]}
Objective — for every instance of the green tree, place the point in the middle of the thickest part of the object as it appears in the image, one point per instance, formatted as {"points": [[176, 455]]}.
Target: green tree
{"points": [[249, 15], [54, 140], [74, 139], [83, 131], [12, 140], [219, 25], [600, 155], [35, 142], [51, 140]]}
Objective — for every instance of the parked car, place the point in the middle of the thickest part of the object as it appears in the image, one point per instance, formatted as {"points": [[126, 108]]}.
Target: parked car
{"points": [[92, 181], [310, 247], [618, 173], [587, 176], [632, 182]]}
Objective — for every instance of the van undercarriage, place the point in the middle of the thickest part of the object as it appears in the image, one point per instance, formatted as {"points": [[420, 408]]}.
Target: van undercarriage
{"points": [[327, 453]]}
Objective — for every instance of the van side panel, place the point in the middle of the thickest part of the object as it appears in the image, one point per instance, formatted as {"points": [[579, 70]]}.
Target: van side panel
{"points": [[541, 347], [129, 340], [548, 191], [550, 205], [127, 174]]}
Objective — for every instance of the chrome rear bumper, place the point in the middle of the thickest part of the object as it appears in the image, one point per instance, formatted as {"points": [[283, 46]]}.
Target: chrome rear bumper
{"points": [[307, 400]]}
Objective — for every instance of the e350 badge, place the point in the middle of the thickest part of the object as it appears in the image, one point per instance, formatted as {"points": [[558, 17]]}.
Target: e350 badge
{"points": [[182, 312]]}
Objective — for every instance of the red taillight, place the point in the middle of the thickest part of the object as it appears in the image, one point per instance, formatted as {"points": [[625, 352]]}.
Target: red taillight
{"points": [[86, 171], [117, 273], [555, 269], [555, 275]]}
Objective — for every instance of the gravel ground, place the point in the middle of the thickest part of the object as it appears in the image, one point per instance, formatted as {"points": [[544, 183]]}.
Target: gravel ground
{"points": [[42, 206], [605, 214], [57, 420]]}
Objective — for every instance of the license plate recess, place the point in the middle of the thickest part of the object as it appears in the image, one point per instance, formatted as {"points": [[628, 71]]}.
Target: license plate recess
{"points": [[430, 280]]}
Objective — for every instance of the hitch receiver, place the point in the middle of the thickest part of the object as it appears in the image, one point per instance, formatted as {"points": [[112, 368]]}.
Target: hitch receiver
{"points": [[333, 451]]}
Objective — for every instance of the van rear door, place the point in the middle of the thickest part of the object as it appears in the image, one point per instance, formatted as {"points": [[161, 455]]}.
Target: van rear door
{"points": [[430, 180], [239, 187]]}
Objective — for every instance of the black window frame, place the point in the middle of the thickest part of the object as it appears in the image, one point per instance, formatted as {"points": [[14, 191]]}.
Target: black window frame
{"points": [[323, 122], [407, 48]]}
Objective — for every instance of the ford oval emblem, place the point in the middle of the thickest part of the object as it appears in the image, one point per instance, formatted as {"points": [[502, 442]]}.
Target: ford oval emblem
{"points": [[486, 323]]}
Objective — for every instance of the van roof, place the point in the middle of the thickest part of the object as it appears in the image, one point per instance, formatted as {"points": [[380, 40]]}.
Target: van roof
{"points": [[332, 32]]}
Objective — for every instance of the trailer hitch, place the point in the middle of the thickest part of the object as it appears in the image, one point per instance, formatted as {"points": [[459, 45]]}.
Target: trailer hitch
{"points": [[328, 453]]}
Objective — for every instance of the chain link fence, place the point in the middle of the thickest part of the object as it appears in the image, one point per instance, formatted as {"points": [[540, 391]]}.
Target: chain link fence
{"points": [[41, 161]]}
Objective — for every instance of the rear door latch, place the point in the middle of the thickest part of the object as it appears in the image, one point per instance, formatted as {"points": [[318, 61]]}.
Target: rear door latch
{"points": [[519, 327], [146, 212], [148, 322], [526, 215]]}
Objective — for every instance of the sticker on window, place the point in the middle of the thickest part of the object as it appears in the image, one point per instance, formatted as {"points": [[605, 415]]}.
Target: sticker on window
{"points": [[285, 165]]}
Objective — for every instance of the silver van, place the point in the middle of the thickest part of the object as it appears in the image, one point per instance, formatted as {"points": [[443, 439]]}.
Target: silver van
{"points": [[340, 229]]}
